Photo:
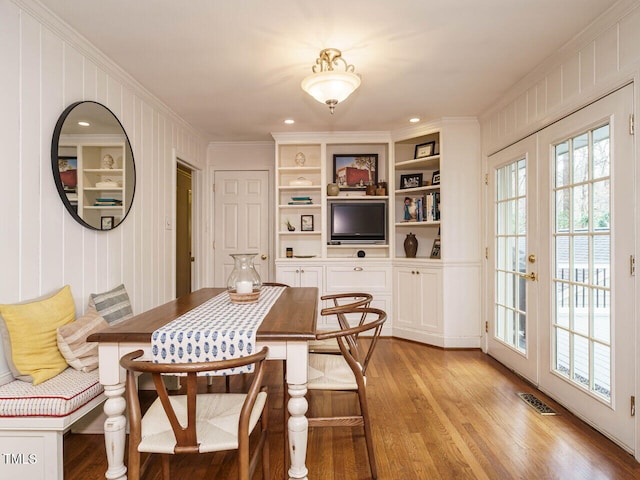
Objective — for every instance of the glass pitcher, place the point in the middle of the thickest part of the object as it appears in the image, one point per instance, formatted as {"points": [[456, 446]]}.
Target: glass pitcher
{"points": [[244, 278]]}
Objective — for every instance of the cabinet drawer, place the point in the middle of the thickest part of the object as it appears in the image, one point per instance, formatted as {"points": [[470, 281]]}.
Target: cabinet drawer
{"points": [[350, 278]]}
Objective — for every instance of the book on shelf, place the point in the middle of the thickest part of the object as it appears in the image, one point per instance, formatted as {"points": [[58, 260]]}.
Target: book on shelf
{"points": [[300, 201], [425, 208]]}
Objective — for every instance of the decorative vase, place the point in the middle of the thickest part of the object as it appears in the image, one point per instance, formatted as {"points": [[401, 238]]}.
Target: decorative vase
{"points": [[300, 159], [332, 189], [410, 245], [244, 283]]}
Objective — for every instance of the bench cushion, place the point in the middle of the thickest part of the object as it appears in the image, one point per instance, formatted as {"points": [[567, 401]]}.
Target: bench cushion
{"points": [[60, 396]]}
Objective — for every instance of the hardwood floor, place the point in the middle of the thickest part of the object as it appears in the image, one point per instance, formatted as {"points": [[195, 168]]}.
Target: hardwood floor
{"points": [[436, 414]]}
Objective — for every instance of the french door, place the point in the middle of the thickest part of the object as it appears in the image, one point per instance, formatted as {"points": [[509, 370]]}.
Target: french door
{"points": [[513, 331], [562, 289]]}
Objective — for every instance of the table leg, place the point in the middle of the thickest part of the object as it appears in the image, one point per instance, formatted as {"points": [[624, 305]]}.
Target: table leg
{"points": [[115, 431], [298, 425]]}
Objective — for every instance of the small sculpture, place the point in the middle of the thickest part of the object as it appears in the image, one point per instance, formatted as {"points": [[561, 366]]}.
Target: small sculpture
{"points": [[300, 159], [107, 161], [290, 227]]}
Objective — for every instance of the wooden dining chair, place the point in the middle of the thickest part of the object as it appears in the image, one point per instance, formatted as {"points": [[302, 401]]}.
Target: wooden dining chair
{"points": [[196, 422], [342, 302]]}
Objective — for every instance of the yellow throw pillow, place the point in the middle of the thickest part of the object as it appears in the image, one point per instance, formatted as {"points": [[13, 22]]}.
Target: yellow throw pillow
{"points": [[32, 332], [72, 340]]}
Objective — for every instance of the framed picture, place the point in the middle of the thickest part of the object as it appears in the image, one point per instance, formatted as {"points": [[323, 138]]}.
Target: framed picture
{"points": [[412, 180], [306, 223], [435, 249], [425, 150], [106, 223], [355, 171], [435, 178]]}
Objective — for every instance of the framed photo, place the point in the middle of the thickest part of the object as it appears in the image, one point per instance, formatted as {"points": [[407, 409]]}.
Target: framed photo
{"points": [[435, 178], [106, 223], [355, 171], [306, 223], [435, 249], [425, 150], [412, 180]]}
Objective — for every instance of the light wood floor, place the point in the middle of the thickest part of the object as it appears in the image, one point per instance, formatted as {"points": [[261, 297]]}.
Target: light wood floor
{"points": [[436, 415]]}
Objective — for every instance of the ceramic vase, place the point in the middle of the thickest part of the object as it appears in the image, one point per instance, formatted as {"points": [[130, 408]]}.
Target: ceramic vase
{"points": [[410, 245]]}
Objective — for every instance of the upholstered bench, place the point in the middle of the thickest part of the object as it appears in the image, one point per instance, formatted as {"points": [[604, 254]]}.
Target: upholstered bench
{"points": [[33, 420]]}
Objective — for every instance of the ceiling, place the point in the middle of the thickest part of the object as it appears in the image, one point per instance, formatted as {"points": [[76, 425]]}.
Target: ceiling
{"points": [[232, 68]]}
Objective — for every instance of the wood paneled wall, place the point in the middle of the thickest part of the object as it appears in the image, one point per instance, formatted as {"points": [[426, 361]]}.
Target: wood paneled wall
{"points": [[602, 58], [45, 67]]}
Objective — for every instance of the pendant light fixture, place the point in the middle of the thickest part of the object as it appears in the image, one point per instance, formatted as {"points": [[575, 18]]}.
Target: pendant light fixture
{"points": [[331, 86]]}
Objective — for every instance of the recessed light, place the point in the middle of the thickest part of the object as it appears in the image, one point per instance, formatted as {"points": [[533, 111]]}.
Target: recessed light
{"points": [[84, 124], [414, 120], [289, 121]]}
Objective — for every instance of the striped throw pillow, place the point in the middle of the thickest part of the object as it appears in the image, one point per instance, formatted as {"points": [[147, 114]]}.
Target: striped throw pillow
{"points": [[114, 306], [72, 341]]}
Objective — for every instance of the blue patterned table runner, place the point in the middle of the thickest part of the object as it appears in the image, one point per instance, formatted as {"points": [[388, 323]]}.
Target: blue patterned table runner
{"points": [[215, 330]]}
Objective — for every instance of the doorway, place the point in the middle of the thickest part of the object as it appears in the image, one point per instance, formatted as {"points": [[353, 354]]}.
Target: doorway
{"points": [[562, 292], [184, 236]]}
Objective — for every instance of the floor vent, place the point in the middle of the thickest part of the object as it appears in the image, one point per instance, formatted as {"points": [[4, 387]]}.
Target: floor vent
{"points": [[538, 405]]}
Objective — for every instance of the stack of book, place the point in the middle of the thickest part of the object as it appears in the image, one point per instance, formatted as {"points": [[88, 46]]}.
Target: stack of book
{"points": [[423, 209], [107, 202], [300, 201]]}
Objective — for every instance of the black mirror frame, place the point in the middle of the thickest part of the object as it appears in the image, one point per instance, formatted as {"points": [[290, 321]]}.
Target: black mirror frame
{"points": [[55, 141]]}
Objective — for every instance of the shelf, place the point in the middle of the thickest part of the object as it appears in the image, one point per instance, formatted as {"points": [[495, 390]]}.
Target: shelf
{"points": [[427, 188], [287, 232], [103, 207], [101, 189], [426, 163], [299, 187], [117, 171], [357, 245], [417, 224], [299, 169], [286, 207], [357, 198]]}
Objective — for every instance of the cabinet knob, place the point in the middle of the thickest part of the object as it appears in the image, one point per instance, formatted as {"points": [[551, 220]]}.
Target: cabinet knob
{"points": [[357, 269], [297, 271]]}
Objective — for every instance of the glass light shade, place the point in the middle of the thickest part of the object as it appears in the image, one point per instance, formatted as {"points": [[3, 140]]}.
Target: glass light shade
{"points": [[244, 278], [331, 85]]}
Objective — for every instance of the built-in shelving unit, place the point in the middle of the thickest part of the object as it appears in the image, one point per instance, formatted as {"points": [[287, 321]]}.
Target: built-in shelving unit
{"points": [[421, 295]]}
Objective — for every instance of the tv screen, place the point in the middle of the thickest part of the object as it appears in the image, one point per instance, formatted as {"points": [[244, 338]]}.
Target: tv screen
{"points": [[358, 222]]}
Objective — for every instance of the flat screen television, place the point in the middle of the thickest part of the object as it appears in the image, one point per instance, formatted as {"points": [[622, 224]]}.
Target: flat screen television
{"points": [[358, 222]]}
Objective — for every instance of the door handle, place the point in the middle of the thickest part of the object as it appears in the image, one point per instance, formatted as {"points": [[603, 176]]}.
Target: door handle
{"points": [[264, 257], [531, 276]]}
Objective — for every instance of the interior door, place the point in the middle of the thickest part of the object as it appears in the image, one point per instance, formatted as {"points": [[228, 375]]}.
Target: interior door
{"points": [[512, 329], [184, 246], [241, 220], [587, 344]]}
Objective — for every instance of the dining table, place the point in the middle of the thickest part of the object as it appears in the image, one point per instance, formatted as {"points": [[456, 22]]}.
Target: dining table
{"points": [[286, 329]]}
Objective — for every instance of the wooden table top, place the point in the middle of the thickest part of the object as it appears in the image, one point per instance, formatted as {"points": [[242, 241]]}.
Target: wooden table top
{"points": [[292, 317]]}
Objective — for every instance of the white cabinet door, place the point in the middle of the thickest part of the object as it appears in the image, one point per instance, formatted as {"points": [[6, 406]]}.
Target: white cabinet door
{"points": [[418, 304], [300, 275]]}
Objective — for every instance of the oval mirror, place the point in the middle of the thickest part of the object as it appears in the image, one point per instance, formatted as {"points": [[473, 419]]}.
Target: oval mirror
{"points": [[93, 165]]}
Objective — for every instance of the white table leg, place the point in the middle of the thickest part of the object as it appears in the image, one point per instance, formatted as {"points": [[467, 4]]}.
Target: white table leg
{"points": [[298, 425], [115, 431]]}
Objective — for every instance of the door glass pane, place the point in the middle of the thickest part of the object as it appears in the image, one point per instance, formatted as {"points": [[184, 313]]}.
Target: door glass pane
{"points": [[511, 253], [582, 253]]}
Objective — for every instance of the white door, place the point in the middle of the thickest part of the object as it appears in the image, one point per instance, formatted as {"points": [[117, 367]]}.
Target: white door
{"points": [[587, 357], [512, 330], [241, 220]]}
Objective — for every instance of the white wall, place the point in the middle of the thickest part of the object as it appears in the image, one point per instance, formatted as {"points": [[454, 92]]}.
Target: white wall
{"points": [[46, 67], [604, 57], [236, 156]]}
